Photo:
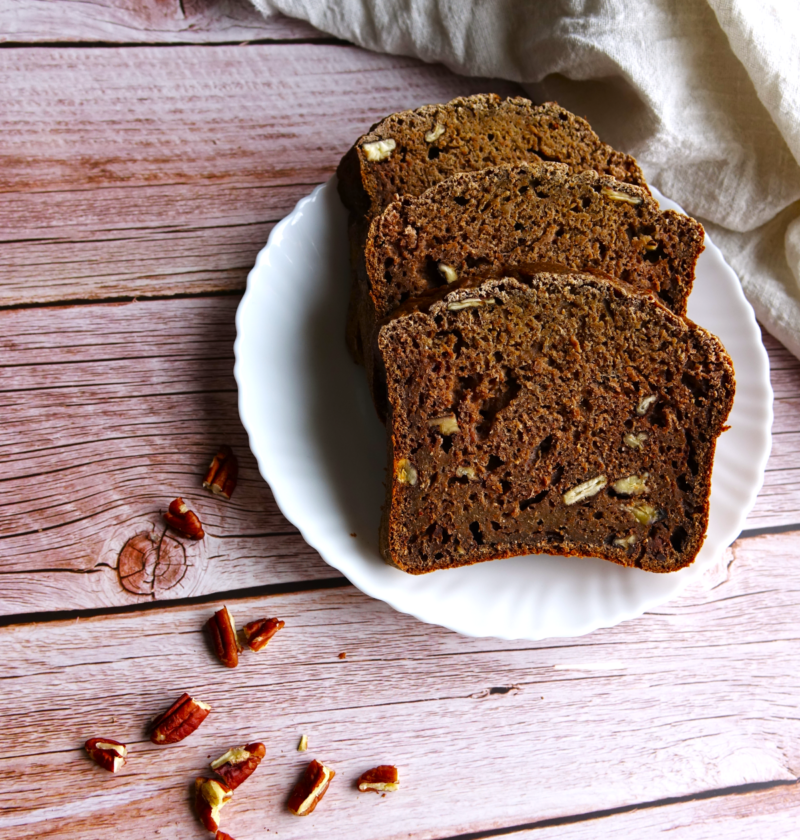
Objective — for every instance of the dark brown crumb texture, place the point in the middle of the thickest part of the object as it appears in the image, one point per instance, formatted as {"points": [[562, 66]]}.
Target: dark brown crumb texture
{"points": [[463, 135], [569, 416], [481, 224]]}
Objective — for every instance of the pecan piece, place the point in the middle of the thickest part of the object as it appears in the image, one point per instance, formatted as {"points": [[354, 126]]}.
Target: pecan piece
{"points": [[259, 632], [239, 763], [109, 754], [184, 521], [310, 789], [379, 779], [222, 473], [179, 721], [223, 636], [221, 835], [209, 797]]}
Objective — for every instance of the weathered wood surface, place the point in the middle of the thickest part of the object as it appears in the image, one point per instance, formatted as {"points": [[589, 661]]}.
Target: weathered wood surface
{"points": [[155, 171], [778, 502], [143, 21], [111, 410], [700, 696]]}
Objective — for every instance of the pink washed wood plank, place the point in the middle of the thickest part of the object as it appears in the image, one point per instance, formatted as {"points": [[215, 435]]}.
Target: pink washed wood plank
{"points": [[137, 21], [123, 242], [778, 502], [771, 814], [697, 696], [144, 170], [109, 412]]}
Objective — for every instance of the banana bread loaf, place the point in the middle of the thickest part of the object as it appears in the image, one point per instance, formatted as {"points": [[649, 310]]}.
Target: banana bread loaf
{"points": [[408, 152], [569, 416], [481, 224]]}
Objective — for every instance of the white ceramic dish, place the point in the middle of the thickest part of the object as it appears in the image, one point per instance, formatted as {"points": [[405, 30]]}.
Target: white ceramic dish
{"points": [[318, 443]]}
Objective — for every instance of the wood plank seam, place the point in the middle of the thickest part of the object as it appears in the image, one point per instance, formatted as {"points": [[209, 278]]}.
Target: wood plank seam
{"points": [[740, 790], [291, 587], [771, 529], [141, 297], [116, 186]]}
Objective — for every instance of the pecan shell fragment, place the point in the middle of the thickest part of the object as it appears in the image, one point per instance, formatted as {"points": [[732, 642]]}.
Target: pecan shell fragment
{"points": [[379, 779], [184, 521], [239, 763], [259, 632], [210, 797], [109, 754], [179, 721], [223, 636], [310, 789], [222, 474]]}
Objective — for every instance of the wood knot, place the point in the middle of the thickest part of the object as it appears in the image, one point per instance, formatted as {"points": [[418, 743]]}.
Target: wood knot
{"points": [[150, 564]]}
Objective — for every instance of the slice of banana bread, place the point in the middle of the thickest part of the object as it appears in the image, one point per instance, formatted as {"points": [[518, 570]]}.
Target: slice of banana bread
{"points": [[408, 152], [568, 416], [481, 224]]}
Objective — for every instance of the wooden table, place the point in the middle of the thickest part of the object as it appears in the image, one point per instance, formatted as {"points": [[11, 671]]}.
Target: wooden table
{"points": [[146, 151]]}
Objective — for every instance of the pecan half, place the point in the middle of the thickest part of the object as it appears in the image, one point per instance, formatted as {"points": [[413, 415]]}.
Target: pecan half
{"points": [[379, 779], [223, 636], [259, 632], [310, 789], [184, 521], [209, 798], [239, 763], [109, 754], [179, 721], [222, 473]]}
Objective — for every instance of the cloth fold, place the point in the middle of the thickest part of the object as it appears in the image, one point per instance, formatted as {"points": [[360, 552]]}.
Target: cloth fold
{"points": [[704, 93]]}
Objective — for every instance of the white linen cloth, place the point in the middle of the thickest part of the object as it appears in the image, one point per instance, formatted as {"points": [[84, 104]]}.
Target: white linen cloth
{"points": [[704, 93]]}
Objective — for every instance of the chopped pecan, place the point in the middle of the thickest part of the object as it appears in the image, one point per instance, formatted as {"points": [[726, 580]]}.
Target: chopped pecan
{"points": [[221, 835], [183, 520], [303, 745], [259, 632], [109, 754], [223, 636], [238, 763], [222, 473], [179, 721], [310, 789], [379, 779], [209, 797]]}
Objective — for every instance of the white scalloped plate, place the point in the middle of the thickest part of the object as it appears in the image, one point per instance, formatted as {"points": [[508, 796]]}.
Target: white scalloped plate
{"points": [[318, 443]]}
